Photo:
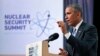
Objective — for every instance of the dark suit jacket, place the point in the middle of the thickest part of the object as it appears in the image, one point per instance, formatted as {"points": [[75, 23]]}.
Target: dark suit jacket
{"points": [[85, 42]]}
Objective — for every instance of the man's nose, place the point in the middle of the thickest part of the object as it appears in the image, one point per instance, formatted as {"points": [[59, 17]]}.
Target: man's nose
{"points": [[66, 17]]}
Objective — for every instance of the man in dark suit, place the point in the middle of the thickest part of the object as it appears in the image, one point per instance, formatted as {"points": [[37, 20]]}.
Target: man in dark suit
{"points": [[81, 39]]}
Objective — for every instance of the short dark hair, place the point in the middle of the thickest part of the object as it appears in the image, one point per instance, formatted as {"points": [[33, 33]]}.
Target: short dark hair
{"points": [[76, 7]]}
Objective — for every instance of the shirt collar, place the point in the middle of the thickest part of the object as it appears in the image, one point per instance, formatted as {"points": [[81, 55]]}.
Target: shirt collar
{"points": [[78, 25]]}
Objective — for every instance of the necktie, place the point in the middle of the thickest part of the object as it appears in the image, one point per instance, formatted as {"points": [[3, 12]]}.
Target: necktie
{"points": [[74, 32]]}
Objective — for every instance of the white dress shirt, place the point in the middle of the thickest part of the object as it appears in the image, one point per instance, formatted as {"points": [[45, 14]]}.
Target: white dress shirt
{"points": [[67, 35]]}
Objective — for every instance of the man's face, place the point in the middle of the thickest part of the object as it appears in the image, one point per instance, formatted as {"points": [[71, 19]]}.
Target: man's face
{"points": [[71, 16]]}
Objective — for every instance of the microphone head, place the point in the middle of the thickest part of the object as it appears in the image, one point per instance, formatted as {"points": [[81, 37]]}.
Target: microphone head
{"points": [[53, 37]]}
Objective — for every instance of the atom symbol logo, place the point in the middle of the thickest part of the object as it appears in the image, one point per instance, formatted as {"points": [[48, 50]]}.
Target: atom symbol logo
{"points": [[41, 22]]}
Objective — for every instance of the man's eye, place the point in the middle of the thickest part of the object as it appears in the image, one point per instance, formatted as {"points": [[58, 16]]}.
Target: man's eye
{"points": [[68, 13]]}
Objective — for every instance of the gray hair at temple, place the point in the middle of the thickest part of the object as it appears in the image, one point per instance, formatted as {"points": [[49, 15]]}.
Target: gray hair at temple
{"points": [[76, 8]]}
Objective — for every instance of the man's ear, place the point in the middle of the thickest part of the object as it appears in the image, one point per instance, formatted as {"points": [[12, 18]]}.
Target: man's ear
{"points": [[78, 14]]}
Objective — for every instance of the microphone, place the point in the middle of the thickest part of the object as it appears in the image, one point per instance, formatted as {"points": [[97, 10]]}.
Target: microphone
{"points": [[53, 37]]}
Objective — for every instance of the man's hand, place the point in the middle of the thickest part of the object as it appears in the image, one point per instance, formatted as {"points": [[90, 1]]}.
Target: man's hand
{"points": [[63, 52], [61, 24]]}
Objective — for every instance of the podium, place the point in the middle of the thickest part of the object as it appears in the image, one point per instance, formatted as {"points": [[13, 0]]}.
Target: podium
{"points": [[38, 49]]}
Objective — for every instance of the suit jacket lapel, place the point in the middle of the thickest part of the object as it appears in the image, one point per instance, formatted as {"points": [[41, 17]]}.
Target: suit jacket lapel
{"points": [[80, 30]]}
